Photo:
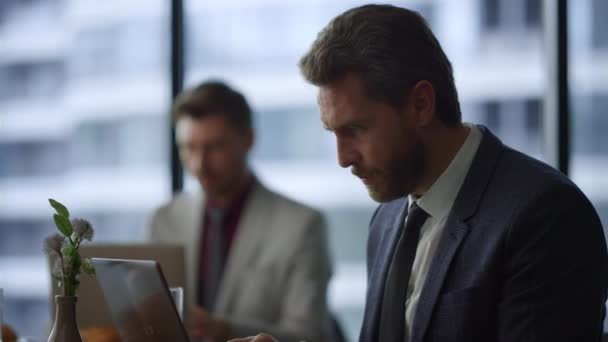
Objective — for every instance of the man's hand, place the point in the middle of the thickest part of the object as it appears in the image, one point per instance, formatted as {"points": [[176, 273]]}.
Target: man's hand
{"points": [[202, 324], [258, 338]]}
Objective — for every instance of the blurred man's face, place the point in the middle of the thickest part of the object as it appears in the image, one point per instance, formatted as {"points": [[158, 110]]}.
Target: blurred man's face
{"points": [[214, 151], [380, 143]]}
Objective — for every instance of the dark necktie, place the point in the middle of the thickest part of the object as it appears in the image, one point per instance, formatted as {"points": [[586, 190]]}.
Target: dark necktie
{"points": [[392, 323], [216, 256]]}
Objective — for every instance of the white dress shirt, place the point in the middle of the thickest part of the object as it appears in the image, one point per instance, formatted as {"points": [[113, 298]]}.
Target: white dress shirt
{"points": [[437, 202]]}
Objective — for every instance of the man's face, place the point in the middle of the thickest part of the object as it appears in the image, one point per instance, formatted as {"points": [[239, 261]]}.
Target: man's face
{"points": [[379, 142], [214, 151]]}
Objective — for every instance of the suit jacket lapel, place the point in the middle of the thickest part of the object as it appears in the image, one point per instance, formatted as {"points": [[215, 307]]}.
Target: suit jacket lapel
{"points": [[191, 231], [456, 229], [249, 236], [448, 245], [378, 272]]}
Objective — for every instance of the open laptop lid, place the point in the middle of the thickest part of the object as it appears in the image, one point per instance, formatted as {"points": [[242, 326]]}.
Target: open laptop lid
{"points": [[139, 300], [92, 309]]}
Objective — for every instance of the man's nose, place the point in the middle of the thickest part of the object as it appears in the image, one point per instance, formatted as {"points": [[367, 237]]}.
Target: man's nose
{"points": [[347, 154]]}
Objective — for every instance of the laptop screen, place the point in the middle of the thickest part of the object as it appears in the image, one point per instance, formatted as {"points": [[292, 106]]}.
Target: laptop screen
{"points": [[139, 300]]}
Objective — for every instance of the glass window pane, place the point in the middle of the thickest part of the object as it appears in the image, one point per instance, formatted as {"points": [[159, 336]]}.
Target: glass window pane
{"points": [[84, 96], [588, 43]]}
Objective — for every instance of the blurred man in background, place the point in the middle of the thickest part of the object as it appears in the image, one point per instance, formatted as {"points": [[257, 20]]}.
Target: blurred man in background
{"points": [[237, 230]]}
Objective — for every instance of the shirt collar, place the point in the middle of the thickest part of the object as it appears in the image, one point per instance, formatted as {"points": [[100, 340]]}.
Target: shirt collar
{"points": [[440, 197]]}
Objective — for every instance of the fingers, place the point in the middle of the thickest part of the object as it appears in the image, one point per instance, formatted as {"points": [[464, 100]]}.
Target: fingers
{"points": [[197, 311], [197, 332], [198, 322]]}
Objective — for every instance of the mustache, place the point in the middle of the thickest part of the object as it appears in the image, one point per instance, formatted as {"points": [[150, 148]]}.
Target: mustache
{"points": [[362, 173]]}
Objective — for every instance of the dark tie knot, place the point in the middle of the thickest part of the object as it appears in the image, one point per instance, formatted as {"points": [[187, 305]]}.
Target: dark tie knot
{"points": [[416, 213]]}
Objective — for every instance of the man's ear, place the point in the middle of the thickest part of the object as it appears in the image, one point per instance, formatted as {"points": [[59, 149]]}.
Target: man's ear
{"points": [[422, 99]]}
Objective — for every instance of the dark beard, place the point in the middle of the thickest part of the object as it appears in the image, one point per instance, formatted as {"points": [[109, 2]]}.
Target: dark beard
{"points": [[402, 175]]}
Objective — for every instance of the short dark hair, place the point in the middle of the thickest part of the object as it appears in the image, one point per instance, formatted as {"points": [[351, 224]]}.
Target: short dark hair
{"points": [[213, 97], [391, 48]]}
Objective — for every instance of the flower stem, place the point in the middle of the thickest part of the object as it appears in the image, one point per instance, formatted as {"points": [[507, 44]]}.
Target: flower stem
{"points": [[63, 277]]}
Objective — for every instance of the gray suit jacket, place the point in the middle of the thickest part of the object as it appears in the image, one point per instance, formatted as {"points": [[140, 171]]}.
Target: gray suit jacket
{"points": [[522, 258], [278, 269]]}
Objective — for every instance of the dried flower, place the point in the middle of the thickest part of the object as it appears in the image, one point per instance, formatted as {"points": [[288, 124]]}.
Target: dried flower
{"points": [[64, 248], [83, 229], [53, 244]]}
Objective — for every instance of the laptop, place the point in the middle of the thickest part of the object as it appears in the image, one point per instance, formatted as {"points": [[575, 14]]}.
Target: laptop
{"points": [[92, 309], [140, 303]]}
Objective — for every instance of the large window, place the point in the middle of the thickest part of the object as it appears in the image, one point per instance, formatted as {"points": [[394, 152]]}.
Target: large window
{"points": [[84, 98], [588, 42], [83, 103]]}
